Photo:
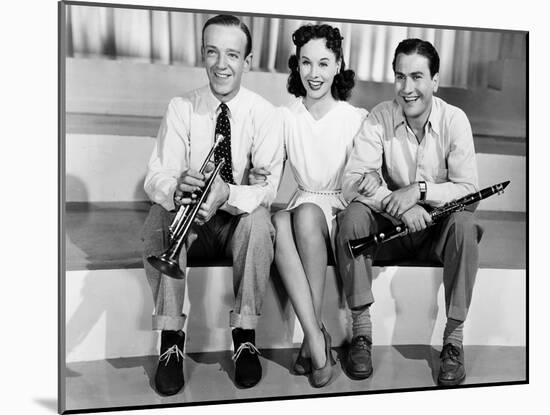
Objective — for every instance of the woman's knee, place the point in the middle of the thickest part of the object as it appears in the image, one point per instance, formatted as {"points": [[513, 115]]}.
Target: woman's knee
{"points": [[308, 218]]}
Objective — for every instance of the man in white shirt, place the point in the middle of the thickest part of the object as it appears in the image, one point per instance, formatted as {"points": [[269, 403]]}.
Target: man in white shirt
{"points": [[234, 220], [423, 149]]}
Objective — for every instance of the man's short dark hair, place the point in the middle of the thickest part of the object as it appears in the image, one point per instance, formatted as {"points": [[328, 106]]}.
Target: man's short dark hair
{"points": [[421, 47], [230, 20]]}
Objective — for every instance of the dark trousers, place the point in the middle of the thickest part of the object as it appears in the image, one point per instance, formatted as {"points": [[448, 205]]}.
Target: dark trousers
{"points": [[452, 242]]}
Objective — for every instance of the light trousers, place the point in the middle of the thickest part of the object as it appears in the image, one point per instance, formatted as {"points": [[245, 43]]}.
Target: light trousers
{"points": [[247, 239]]}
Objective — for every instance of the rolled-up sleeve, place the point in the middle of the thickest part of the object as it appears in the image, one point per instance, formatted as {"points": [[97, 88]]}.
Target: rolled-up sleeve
{"points": [[366, 156], [169, 156], [266, 152], [461, 164]]}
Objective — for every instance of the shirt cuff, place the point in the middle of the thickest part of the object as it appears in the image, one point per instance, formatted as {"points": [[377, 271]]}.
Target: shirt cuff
{"points": [[164, 195], [436, 193], [240, 200]]}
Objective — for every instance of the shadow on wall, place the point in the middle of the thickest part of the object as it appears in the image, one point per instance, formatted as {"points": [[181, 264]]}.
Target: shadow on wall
{"points": [[75, 189], [119, 315], [76, 221], [208, 321], [139, 193], [415, 320]]}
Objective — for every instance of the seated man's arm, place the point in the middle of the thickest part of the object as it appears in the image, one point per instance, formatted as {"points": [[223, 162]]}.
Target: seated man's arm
{"points": [[366, 157], [462, 176], [169, 157], [267, 153]]}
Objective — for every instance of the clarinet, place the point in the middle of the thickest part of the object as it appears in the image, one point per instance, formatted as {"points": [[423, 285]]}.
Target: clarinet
{"points": [[359, 246]]}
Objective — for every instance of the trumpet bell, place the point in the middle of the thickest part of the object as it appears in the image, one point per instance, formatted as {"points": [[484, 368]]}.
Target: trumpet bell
{"points": [[167, 266]]}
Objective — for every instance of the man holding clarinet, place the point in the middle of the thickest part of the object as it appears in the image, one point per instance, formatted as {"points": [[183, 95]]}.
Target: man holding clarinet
{"points": [[239, 128], [423, 150]]}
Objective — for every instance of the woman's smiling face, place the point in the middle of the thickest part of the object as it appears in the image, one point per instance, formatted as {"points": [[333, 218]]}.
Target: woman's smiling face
{"points": [[318, 67]]}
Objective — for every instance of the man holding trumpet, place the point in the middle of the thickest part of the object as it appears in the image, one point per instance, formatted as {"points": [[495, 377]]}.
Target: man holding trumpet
{"points": [[234, 219], [424, 151]]}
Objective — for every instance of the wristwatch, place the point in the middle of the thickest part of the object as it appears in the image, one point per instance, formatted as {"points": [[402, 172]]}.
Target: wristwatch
{"points": [[423, 188]]}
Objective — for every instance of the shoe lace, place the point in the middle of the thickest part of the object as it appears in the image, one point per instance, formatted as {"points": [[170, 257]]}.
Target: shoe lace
{"points": [[248, 346], [169, 352], [450, 351], [361, 343]]}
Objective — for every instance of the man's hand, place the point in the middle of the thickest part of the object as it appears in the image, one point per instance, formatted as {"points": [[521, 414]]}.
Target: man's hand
{"points": [[258, 175], [401, 200], [369, 184], [416, 218], [219, 193], [188, 183]]}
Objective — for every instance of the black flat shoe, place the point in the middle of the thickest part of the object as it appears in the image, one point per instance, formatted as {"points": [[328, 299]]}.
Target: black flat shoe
{"points": [[169, 376], [248, 370]]}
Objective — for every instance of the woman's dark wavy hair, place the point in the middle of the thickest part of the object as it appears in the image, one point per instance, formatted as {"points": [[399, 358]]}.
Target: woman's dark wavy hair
{"points": [[344, 80]]}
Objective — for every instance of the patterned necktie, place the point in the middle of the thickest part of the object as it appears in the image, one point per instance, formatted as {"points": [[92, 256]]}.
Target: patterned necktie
{"points": [[223, 150]]}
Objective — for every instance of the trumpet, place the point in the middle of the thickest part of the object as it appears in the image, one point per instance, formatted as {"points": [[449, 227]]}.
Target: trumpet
{"points": [[167, 262]]}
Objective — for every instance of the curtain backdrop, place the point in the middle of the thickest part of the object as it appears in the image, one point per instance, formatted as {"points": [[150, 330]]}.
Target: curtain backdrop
{"points": [[172, 37]]}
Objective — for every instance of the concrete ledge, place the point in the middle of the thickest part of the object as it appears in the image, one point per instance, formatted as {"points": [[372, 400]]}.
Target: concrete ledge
{"points": [[108, 312], [107, 236]]}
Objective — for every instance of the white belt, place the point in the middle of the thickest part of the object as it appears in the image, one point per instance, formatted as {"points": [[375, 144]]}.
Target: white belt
{"points": [[321, 192]]}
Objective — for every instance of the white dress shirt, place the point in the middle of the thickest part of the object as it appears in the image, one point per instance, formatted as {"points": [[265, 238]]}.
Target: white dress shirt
{"points": [[445, 158], [186, 135]]}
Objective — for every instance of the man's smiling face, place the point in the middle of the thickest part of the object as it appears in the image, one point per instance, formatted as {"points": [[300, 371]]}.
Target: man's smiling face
{"points": [[414, 86], [224, 59]]}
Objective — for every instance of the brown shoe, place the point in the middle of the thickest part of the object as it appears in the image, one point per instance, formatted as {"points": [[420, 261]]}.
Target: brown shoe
{"points": [[451, 369], [320, 377], [358, 362]]}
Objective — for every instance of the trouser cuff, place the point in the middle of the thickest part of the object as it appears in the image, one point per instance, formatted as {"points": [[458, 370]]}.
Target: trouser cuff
{"points": [[243, 321], [175, 323], [360, 300], [457, 313]]}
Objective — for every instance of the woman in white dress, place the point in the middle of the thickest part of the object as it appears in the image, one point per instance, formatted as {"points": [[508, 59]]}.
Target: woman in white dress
{"points": [[319, 127]]}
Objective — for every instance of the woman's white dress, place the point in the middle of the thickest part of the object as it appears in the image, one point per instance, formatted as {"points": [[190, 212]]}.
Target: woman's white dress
{"points": [[317, 152]]}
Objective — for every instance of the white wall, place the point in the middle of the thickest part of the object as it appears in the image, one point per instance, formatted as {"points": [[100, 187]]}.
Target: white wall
{"points": [[104, 168], [108, 312]]}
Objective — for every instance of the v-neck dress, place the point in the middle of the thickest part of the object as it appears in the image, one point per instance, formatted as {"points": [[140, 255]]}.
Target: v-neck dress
{"points": [[317, 152]]}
